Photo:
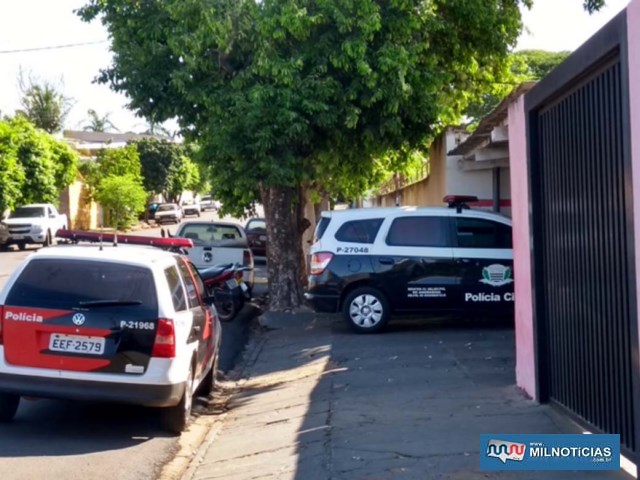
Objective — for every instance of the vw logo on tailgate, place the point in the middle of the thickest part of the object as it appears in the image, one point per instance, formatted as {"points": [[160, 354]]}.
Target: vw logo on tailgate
{"points": [[78, 319]]}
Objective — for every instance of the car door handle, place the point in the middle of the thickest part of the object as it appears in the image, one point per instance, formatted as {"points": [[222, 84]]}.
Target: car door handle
{"points": [[386, 261]]}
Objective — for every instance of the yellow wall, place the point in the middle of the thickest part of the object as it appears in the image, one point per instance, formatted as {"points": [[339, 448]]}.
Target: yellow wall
{"points": [[429, 191], [80, 210]]}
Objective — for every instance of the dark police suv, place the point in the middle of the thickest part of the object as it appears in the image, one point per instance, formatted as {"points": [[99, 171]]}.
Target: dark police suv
{"points": [[373, 262]]}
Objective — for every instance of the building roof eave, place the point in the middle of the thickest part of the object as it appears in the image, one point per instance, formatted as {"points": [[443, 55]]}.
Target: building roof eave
{"points": [[492, 120]]}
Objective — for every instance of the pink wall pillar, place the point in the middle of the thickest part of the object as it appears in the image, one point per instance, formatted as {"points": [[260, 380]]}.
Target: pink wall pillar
{"points": [[525, 346], [633, 32]]}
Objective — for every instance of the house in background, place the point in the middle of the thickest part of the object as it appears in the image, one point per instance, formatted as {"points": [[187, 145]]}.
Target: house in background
{"points": [[481, 167], [460, 163], [88, 144]]}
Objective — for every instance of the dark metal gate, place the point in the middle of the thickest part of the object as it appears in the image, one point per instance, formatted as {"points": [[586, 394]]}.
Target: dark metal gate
{"points": [[584, 274]]}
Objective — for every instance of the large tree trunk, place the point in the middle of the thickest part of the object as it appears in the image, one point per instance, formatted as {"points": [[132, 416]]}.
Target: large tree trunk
{"points": [[284, 256]]}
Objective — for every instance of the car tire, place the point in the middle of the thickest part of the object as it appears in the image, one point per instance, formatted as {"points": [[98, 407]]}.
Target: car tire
{"points": [[47, 239], [22, 246], [9, 403], [209, 381], [366, 310], [176, 419]]}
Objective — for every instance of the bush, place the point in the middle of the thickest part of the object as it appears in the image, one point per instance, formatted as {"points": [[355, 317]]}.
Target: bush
{"points": [[123, 198]]}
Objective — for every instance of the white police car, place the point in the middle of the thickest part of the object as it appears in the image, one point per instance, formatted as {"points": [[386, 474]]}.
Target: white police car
{"points": [[120, 323], [372, 262]]}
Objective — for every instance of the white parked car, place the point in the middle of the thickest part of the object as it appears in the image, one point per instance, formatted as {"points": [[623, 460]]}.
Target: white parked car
{"points": [[124, 324], [168, 212], [191, 207], [218, 243], [207, 203], [34, 223]]}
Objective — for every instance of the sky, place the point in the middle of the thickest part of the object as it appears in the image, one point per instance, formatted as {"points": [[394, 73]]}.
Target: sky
{"points": [[27, 24]]}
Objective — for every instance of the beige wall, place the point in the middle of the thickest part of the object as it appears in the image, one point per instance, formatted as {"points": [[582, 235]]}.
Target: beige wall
{"points": [[429, 191], [447, 178], [80, 210]]}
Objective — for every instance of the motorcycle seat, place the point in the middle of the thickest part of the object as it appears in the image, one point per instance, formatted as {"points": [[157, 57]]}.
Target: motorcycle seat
{"points": [[213, 272]]}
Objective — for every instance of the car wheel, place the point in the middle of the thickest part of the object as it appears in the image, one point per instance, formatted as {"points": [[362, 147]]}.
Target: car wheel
{"points": [[47, 239], [22, 246], [176, 419], [209, 381], [8, 406], [366, 310]]}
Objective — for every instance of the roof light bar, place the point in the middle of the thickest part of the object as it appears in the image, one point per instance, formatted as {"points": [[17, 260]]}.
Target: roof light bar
{"points": [[84, 236], [459, 202]]}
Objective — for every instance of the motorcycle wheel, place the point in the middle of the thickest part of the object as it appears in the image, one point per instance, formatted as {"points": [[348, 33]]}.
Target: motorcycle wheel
{"points": [[226, 310]]}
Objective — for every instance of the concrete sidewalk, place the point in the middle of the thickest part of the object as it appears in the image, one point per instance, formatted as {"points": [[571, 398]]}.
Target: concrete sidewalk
{"points": [[319, 402]]}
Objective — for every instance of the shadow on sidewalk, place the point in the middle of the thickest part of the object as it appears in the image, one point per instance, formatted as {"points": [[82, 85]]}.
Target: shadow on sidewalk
{"points": [[412, 402], [321, 402]]}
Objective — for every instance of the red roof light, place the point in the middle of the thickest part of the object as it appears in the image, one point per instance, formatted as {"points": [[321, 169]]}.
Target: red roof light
{"points": [[81, 235], [459, 199]]}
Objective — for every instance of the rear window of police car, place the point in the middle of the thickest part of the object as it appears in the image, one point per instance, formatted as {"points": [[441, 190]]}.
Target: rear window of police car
{"points": [[359, 231], [66, 283], [480, 233], [321, 227], [419, 232]]}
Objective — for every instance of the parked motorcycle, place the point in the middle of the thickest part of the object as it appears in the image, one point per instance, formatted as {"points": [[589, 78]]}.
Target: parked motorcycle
{"points": [[229, 291]]}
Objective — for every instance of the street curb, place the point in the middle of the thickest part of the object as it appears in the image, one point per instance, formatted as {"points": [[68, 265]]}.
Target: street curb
{"points": [[195, 462], [238, 375]]}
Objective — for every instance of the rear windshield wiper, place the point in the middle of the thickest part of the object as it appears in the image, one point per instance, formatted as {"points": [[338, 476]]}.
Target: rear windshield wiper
{"points": [[109, 303]]}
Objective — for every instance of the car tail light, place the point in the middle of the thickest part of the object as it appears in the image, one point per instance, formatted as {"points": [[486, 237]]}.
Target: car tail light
{"points": [[1, 321], [319, 262], [164, 345], [247, 258]]}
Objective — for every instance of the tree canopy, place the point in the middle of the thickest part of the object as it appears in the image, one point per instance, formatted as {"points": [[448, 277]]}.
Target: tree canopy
{"points": [[593, 5], [98, 123], [43, 103], [287, 95], [34, 166], [111, 162], [167, 168], [524, 65], [123, 197], [115, 180]]}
